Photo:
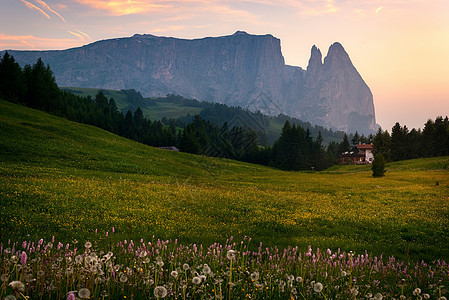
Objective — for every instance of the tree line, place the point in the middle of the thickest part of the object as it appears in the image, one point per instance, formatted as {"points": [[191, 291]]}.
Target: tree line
{"points": [[404, 144]]}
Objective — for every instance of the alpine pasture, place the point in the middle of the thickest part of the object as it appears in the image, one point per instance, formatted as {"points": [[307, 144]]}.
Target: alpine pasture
{"points": [[75, 183]]}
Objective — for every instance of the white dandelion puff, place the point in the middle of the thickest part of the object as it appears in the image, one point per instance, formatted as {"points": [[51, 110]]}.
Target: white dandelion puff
{"points": [[230, 255], [318, 287], [84, 293], [206, 269], [255, 276], [17, 286], [160, 292], [378, 296]]}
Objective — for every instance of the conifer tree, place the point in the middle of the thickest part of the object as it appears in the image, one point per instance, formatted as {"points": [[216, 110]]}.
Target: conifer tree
{"points": [[378, 166]]}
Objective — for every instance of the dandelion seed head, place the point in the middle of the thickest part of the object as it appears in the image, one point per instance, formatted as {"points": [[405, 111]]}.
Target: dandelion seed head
{"points": [[354, 291], [88, 245], [318, 287], [4, 277], [160, 292], [255, 276], [196, 280], [123, 278], [84, 293], [206, 269], [230, 255], [378, 296], [417, 291], [174, 274], [10, 297], [185, 266], [17, 286]]}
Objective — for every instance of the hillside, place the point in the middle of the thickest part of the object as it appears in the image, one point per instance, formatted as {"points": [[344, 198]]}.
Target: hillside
{"points": [[268, 128], [66, 179]]}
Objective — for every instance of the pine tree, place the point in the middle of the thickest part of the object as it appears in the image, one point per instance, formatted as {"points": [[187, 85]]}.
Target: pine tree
{"points": [[12, 86], [344, 145], [378, 166]]}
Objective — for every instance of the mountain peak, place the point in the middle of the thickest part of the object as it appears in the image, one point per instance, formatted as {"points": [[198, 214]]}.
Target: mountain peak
{"points": [[316, 59], [240, 32], [337, 53]]}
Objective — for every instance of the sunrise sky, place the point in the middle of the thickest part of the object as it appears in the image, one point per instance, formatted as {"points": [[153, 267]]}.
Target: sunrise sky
{"points": [[400, 47]]}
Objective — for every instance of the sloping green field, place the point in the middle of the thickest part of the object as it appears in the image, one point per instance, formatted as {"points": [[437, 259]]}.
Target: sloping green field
{"points": [[66, 179]]}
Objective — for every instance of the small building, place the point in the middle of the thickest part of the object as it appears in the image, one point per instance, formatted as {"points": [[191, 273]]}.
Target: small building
{"points": [[171, 148], [363, 155], [367, 150]]}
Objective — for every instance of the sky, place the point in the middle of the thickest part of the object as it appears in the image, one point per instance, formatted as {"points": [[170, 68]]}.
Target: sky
{"points": [[400, 47]]}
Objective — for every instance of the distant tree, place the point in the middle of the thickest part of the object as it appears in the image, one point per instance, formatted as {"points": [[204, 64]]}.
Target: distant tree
{"points": [[414, 138], [355, 139], [378, 166], [381, 143], [399, 142], [344, 145]]}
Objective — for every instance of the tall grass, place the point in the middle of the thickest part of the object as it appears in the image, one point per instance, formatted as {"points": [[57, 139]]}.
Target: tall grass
{"points": [[167, 269]]}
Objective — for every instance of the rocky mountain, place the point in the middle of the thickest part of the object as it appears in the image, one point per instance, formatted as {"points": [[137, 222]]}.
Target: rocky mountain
{"points": [[239, 70]]}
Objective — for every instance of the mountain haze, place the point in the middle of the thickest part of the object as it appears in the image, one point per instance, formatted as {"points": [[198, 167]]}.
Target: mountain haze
{"points": [[239, 70]]}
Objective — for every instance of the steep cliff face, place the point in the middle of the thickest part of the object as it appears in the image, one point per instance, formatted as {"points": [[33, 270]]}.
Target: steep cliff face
{"points": [[240, 69], [335, 94]]}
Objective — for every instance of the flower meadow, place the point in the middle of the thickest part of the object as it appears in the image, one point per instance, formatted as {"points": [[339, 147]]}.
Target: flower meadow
{"points": [[167, 269]]}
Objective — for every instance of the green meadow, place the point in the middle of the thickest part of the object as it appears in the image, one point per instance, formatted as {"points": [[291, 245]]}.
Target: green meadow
{"points": [[73, 181]]}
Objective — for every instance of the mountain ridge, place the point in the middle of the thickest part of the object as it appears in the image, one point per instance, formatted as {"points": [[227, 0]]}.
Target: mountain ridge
{"points": [[238, 70]]}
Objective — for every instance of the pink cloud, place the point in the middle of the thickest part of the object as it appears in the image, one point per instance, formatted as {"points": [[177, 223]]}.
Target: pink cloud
{"points": [[81, 35], [32, 6], [30, 42], [126, 7], [46, 6]]}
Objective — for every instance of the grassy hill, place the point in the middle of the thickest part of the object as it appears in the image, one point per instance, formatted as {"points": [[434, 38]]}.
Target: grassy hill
{"points": [[153, 108], [66, 179]]}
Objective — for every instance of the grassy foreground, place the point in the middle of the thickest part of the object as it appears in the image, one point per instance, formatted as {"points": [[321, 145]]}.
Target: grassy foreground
{"points": [[72, 181]]}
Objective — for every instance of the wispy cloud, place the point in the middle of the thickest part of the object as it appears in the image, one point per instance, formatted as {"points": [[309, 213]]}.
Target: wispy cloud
{"points": [[47, 7], [81, 35], [379, 9], [44, 6], [125, 7], [34, 7], [30, 42]]}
